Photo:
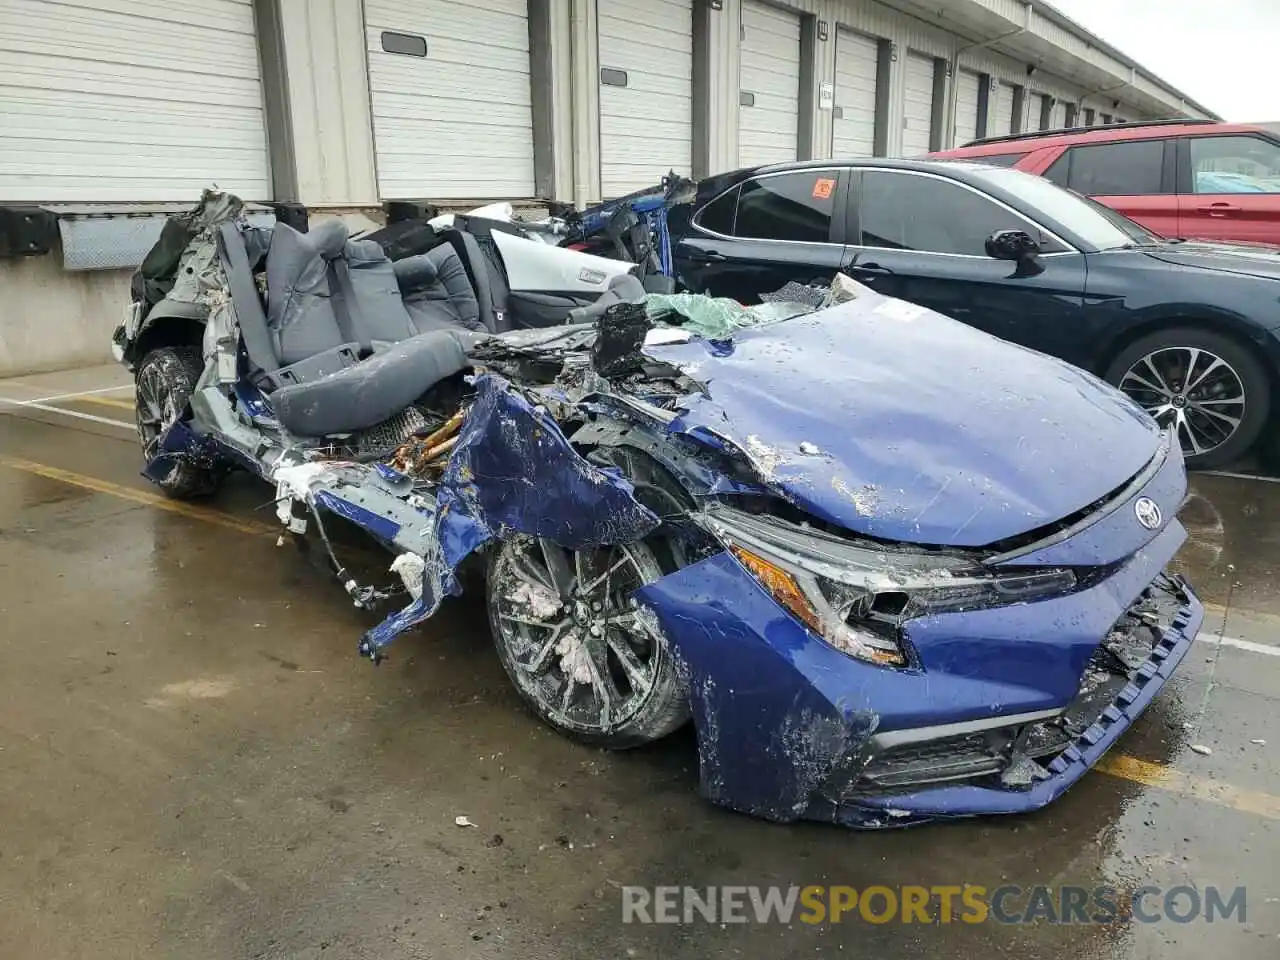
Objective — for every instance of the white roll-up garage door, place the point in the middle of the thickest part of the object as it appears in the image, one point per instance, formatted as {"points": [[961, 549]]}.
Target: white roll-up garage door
{"points": [[456, 122], [966, 129], [646, 92], [769, 103], [1059, 116], [131, 102], [853, 125], [917, 114], [1000, 111]]}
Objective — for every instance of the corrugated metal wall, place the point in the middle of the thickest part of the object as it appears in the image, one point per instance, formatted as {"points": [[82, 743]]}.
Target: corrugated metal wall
{"points": [[769, 78], [105, 100], [456, 122], [490, 112], [646, 110]]}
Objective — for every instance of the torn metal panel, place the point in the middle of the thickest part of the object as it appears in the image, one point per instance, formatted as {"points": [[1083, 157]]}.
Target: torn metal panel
{"points": [[805, 745], [513, 471]]}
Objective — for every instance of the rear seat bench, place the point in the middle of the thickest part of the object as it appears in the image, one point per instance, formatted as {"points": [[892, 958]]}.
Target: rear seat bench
{"points": [[339, 347]]}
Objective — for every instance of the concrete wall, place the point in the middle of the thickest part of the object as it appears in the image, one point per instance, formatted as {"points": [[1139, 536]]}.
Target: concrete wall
{"points": [[51, 319], [327, 80]]}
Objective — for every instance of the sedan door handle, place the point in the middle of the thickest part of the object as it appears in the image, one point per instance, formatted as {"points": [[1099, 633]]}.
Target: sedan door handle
{"points": [[705, 256], [1219, 209], [873, 269]]}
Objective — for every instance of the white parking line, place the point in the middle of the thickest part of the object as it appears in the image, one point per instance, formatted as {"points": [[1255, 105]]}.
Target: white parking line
{"points": [[1247, 645], [35, 405], [64, 396]]}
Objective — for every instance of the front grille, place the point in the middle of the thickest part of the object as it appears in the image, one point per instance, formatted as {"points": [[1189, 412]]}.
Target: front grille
{"points": [[1018, 756], [934, 761]]}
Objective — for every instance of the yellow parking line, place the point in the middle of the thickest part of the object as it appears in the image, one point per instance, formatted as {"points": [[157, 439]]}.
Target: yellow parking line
{"points": [[1189, 785], [1127, 768], [142, 497], [105, 401]]}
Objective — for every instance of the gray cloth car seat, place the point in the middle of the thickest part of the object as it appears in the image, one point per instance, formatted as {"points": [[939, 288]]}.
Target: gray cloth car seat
{"points": [[373, 390], [436, 291], [336, 348], [488, 280]]}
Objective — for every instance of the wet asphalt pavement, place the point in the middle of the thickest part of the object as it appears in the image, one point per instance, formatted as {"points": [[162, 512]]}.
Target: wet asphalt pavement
{"points": [[194, 763]]}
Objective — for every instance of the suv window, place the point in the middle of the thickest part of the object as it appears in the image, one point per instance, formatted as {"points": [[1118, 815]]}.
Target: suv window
{"points": [[718, 214], [1128, 168], [1234, 165], [788, 206], [904, 211]]}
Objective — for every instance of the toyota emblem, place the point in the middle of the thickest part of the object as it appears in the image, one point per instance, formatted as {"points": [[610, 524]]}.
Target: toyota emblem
{"points": [[1147, 512]]}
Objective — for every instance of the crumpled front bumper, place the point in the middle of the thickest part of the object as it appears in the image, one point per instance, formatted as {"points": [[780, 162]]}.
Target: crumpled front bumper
{"points": [[789, 728], [1064, 768]]}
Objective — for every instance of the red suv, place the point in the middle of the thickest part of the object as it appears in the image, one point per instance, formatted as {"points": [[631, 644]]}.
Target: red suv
{"points": [[1197, 179]]}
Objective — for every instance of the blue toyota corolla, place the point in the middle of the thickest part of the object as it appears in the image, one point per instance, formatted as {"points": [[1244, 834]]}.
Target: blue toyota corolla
{"points": [[893, 568], [964, 603]]}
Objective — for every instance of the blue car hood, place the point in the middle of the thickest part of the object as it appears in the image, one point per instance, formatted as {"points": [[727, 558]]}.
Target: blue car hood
{"points": [[893, 421]]}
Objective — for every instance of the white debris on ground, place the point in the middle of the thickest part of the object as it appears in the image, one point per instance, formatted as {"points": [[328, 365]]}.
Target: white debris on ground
{"points": [[575, 662], [410, 568], [809, 449], [1201, 749], [462, 822], [1259, 742], [538, 600]]}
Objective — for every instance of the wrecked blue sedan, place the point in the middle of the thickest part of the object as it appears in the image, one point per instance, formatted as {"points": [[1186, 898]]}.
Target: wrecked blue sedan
{"points": [[893, 569]]}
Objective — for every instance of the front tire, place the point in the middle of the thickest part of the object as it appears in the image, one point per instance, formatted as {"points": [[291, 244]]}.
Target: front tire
{"points": [[165, 380], [587, 661], [1213, 389]]}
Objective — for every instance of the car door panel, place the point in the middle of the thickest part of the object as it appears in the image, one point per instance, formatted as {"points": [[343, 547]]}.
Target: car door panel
{"points": [[1039, 310], [1133, 177], [1242, 218], [1229, 189], [922, 240], [743, 269], [785, 227]]}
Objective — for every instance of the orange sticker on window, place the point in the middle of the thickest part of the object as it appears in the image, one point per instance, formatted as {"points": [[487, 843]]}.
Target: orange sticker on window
{"points": [[822, 188]]}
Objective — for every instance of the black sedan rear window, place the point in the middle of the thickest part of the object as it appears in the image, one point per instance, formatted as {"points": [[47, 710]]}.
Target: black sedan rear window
{"points": [[717, 216]]}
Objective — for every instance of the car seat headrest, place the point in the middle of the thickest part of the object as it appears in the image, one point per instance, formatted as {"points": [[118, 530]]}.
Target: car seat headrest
{"points": [[329, 238]]}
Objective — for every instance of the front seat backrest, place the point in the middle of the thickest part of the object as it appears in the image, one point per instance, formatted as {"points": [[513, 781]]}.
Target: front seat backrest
{"points": [[300, 316]]}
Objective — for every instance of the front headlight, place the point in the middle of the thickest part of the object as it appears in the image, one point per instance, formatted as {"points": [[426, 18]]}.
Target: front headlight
{"points": [[856, 596]]}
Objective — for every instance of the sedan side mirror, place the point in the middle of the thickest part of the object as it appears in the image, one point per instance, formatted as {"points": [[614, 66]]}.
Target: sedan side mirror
{"points": [[1015, 245]]}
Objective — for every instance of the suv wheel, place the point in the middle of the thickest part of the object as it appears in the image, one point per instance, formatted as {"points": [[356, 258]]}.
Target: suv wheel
{"points": [[1210, 388]]}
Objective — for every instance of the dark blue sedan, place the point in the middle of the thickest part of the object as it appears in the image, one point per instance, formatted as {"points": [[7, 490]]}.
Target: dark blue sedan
{"points": [[1187, 330]]}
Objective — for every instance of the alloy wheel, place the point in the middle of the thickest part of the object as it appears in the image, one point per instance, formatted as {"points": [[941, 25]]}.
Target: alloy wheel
{"points": [[155, 407], [580, 647], [1191, 389]]}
